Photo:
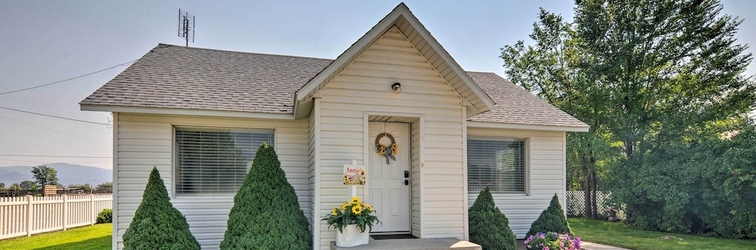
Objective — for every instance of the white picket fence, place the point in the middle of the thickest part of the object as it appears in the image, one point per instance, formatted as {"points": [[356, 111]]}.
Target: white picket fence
{"points": [[29, 215]]}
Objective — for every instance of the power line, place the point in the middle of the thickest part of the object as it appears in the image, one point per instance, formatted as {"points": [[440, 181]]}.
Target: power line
{"points": [[72, 78], [54, 116], [54, 131], [61, 156]]}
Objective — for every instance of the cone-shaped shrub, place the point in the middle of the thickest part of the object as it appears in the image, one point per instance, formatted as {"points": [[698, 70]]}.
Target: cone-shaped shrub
{"points": [[551, 220], [157, 224], [266, 212], [489, 228]]}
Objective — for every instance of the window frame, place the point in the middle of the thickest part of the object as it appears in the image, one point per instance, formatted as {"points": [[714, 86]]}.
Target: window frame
{"points": [[526, 164], [174, 156]]}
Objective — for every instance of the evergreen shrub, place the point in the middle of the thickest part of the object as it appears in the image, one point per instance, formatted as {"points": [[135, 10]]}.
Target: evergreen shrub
{"points": [[106, 216], [489, 228], [266, 213], [551, 220], [157, 224]]}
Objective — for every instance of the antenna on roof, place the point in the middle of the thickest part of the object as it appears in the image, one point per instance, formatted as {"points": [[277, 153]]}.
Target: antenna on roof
{"points": [[186, 26]]}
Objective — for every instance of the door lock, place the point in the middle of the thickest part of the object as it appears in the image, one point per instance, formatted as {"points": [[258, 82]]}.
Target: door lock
{"points": [[406, 174], [406, 182]]}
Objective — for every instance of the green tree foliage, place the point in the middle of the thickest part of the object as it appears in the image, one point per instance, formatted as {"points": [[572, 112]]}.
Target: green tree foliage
{"points": [[658, 81], [488, 226], [156, 223], [106, 187], [266, 213], [45, 175], [28, 185], [551, 220], [2, 185]]}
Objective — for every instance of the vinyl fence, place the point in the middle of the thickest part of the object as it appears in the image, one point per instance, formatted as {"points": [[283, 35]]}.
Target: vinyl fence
{"points": [[576, 203], [29, 215]]}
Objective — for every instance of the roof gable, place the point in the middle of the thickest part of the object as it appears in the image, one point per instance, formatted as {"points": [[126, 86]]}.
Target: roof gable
{"points": [[403, 19]]}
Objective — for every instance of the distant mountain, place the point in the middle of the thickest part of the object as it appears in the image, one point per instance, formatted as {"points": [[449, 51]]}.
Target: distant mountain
{"points": [[67, 174]]}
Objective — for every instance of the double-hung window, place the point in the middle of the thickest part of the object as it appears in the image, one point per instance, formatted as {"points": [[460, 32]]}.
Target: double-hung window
{"points": [[215, 161], [499, 164]]}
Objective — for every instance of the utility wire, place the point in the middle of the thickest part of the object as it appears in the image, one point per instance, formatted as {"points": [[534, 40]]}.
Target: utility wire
{"points": [[72, 78], [54, 116], [54, 131], [61, 156]]}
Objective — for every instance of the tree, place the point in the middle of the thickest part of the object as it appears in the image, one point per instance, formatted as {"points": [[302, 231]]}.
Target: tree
{"points": [[551, 220], [266, 212], [488, 226], [45, 175], [2, 185], [156, 223], [106, 187], [28, 185], [15, 188], [551, 69]]}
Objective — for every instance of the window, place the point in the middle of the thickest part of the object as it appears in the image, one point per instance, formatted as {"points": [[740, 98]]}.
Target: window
{"points": [[215, 161], [498, 164]]}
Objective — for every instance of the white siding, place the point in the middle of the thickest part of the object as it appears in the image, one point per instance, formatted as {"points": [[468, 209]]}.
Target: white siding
{"points": [[545, 176], [364, 88], [144, 141]]}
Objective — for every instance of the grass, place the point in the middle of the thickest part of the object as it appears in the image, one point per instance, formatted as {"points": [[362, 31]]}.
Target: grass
{"points": [[82, 238], [619, 234]]}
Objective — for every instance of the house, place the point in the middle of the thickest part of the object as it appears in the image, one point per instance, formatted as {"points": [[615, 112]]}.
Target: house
{"points": [[198, 115]]}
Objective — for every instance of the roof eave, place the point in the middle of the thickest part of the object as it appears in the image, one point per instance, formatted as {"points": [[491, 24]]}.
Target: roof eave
{"points": [[387, 22], [193, 112], [496, 125]]}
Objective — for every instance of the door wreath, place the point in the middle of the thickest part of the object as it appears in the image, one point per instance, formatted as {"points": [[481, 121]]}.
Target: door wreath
{"points": [[388, 152]]}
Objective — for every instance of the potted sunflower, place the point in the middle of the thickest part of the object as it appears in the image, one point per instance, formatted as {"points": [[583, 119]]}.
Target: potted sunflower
{"points": [[354, 220]]}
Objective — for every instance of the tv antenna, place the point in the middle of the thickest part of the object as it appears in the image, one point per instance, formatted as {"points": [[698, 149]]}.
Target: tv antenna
{"points": [[186, 26]]}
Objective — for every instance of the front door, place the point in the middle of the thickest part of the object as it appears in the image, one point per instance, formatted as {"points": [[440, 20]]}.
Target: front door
{"points": [[389, 181]]}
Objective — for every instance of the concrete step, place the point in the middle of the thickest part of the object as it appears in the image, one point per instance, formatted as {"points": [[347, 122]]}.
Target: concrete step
{"points": [[413, 244]]}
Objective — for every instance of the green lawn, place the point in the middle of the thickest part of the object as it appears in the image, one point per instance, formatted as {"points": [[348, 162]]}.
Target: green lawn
{"points": [[88, 237], [618, 234]]}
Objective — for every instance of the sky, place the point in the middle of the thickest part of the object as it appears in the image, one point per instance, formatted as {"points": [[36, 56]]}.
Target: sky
{"points": [[42, 42]]}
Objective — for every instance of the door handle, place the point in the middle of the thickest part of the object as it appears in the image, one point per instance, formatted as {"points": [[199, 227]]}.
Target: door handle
{"points": [[406, 174], [406, 182]]}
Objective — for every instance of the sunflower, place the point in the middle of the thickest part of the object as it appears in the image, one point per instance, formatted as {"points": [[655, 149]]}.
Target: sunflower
{"points": [[357, 209], [362, 172], [394, 148], [345, 205], [356, 200], [368, 207], [335, 211]]}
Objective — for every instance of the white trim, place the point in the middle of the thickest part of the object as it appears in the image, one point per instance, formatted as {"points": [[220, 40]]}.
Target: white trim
{"points": [[474, 124], [449, 60], [114, 234], [366, 155], [421, 185], [378, 30], [196, 112], [464, 175], [316, 222], [564, 172]]}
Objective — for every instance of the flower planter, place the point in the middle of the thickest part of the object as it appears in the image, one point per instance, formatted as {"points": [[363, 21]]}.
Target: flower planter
{"points": [[352, 237]]}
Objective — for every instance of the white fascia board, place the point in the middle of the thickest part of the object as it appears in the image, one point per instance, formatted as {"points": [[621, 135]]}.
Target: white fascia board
{"points": [[196, 112], [472, 124], [364, 41], [450, 61]]}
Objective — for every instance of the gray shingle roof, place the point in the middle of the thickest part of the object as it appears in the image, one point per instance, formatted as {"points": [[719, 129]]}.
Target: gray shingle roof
{"points": [[178, 77]]}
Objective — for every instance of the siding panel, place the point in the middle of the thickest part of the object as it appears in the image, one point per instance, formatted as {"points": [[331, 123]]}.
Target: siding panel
{"points": [[364, 88], [546, 176], [145, 141]]}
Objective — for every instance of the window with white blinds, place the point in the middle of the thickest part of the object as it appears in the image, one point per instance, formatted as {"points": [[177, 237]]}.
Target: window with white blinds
{"points": [[498, 164], [215, 161]]}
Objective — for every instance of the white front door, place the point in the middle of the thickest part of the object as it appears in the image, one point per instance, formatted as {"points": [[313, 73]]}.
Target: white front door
{"points": [[389, 183]]}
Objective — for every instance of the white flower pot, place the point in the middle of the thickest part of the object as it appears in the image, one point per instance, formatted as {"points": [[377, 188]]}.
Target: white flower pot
{"points": [[352, 237]]}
